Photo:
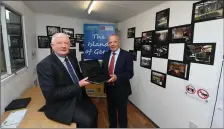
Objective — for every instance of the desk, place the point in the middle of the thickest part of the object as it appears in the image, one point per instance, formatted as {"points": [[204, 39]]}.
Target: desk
{"points": [[33, 118]]}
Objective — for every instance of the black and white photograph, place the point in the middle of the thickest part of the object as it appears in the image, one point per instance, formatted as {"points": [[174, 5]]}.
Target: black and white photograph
{"points": [[146, 62], [161, 36], [181, 34], [43, 42], [51, 30], [203, 53], [131, 32], [16, 41], [147, 37], [138, 44], [178, 69], [158, 78], [134, 54], [79, 38], [161, 50], [146, 51], [207, 10], [14, 29], [68, 31], [162, 19], [81, 46], [72, 42]]}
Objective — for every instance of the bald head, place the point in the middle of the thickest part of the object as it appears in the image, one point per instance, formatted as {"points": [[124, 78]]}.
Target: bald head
{"points": [[60, 44]]}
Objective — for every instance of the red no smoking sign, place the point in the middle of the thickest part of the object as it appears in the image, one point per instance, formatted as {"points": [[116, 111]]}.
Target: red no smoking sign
{"points": [[203, 93], [190, 89]]}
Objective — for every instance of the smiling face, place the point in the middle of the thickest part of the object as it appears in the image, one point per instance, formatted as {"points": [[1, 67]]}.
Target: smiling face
{"points": [[114, 43], [60, 44]]}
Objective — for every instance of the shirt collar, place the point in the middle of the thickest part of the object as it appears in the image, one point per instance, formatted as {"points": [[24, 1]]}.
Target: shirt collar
{"points": [[62, 59], [117, 51]]}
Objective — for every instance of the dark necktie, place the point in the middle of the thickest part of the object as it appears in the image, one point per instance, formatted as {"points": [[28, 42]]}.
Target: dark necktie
{"points": [[111, 67], [72, 72]]}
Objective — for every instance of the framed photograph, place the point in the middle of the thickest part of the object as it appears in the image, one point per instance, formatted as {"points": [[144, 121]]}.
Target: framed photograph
{"points": [[68, 31], [147, 37], [134, 54], [14, 29], [181, 34], [203, 53], [146, 51], [206, 10], [138, 44], [161, 50], [51, 30], [178, 69], [158, 78], [72, 53], [43, 42], [81, 46], [131, 32], [162, 19], [15, 41], [146, 62], [72, 42], [161, 36], [79, 38]]}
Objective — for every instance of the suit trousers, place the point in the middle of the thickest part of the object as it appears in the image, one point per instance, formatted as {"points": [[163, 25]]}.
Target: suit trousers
{"points": [[116, 105], [85, 114]]}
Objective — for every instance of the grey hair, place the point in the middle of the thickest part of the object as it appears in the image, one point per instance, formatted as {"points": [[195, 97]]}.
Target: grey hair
{"points": [[57, 35]]}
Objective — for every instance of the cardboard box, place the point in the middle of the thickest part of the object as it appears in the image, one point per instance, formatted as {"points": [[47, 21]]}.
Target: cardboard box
{"points": [[94, 90]]}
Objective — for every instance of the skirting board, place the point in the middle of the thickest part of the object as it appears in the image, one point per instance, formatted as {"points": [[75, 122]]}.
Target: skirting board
{"points": [[145, 115]]}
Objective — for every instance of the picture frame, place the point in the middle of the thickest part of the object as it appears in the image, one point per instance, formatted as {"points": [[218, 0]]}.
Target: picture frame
{"points": [[81, 46], [134, 54], [137, 43], [51, 30], [43, 42], [131, 32], [161, 51], [207, 10], [147, 37], [72, 42], [158, 78], [162, 19], [146, 51], [79, 38], [146, 62], [178, 69], [181, 34], [68, 31], [203, 53], [161, 37]]}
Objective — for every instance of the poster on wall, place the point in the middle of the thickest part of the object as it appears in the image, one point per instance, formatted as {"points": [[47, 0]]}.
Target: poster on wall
{"points": [[51, 30], [158, 78], [162, 19], [138, 44], [203, 53], [146, 62], [161, 50], [96, 40], [68, 31], [181, 34], [178, 69], [161, 36], [146, 51], [206, 10], [43, 42], [147, 37], [131, 32]]}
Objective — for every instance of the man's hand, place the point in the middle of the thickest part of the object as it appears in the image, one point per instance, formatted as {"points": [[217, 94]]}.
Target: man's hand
{"points": [[83, 82], [113, 78]]}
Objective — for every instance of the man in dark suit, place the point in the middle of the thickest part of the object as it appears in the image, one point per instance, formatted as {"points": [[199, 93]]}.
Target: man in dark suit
{"points": [[118, 64], [63, 87]]}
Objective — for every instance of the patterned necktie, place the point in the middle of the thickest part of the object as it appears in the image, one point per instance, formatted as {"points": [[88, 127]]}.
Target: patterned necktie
{"points": [[72, 72], [111, 67]]}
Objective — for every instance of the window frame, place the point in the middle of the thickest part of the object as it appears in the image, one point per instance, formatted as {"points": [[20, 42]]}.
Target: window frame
{"points": [[6, 43]]}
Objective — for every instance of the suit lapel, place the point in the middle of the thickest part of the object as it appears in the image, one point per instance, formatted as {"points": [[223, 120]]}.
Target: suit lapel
{"points": [[60, 64], [118, 60]]}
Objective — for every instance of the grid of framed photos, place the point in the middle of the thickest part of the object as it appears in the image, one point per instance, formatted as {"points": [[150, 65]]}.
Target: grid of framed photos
{"points": [[155, 43]]}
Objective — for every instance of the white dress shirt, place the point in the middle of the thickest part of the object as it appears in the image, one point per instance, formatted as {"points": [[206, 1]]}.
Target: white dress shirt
{"points": [[116, 56]]}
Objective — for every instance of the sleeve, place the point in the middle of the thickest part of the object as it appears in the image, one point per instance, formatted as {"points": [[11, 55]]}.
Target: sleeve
{"points": [[47, 84]]}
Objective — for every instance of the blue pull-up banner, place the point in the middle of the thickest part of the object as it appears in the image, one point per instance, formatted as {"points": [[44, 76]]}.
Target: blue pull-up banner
{"points": [[96, 40]]}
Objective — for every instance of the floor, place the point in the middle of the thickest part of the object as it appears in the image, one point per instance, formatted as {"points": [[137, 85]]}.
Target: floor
{"points": [[135, 118]]}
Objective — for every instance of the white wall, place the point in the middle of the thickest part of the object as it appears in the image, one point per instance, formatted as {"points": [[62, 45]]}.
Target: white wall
{"points": [[42, 20], [13, 87], [170, 107]]}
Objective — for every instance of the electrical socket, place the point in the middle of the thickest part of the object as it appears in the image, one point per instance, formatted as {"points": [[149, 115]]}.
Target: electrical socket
{"points": [[192, 125]]}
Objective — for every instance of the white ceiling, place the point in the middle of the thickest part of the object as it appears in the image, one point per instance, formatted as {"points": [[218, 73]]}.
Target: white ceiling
{"points": [[108, 11]]}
